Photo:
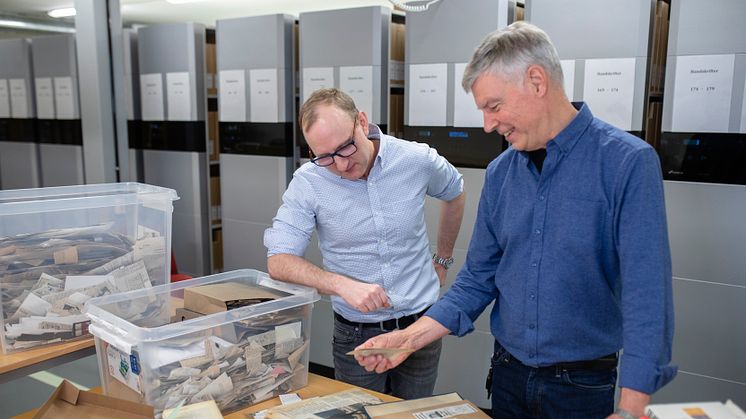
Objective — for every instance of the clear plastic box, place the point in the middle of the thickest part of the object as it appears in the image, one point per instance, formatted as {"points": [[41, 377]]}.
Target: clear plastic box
{"points": [[148, 352], [61, 246]]}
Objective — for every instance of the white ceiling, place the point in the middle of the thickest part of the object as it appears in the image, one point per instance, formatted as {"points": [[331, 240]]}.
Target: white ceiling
{"points": [[205, 11]]}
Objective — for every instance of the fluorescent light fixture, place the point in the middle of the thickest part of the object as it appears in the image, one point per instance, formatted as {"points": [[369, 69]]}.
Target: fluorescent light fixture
{"points": [[7, 23], [183, 1], [64, 12]]}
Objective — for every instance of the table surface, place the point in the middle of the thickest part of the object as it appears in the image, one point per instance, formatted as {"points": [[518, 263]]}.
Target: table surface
{"points": [[21, 359], [317, 386]]}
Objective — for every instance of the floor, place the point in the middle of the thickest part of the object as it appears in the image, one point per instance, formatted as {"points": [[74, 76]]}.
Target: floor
{"points": [[30, 392]]}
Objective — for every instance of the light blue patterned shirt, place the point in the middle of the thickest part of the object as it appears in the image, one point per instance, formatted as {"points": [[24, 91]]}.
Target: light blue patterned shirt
{"points": [[371, 230]]}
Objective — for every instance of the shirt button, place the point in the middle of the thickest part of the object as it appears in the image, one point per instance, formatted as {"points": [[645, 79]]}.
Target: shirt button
{"points": [[532, 296], [531, 355], [534, 264], [541, 198], [532, 326], [537, 231]]}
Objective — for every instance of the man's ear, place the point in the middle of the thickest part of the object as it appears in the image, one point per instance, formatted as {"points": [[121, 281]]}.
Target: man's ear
{"points": [[537, 79], [362, 119]]}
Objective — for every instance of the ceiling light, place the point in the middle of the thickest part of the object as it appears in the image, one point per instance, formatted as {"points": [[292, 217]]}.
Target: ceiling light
{"points": [[182, 1], [64, 12], [6, 23]]}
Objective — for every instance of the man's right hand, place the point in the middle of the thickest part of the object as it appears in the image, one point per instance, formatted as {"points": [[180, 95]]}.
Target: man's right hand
{"points": [[419, 334], [379, 363], [361, 296]]}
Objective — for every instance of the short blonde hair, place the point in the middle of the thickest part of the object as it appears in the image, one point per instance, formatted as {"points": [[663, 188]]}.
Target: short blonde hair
{"points": [[332, 96]]}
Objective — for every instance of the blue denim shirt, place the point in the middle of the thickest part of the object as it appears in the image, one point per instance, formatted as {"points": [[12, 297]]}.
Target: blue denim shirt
{"points": [[576, 257], [372, 230]]}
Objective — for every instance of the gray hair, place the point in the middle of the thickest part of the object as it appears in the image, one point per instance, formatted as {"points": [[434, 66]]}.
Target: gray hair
{"points": [[510, 51]]}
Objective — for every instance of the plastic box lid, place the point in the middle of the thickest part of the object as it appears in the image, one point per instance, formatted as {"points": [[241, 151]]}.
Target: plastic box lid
{"points": [[123, 334], [61, 198]]}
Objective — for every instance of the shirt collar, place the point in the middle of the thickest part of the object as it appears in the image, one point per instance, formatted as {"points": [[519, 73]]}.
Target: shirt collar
{"points": [[568, 137], [375, 134]]}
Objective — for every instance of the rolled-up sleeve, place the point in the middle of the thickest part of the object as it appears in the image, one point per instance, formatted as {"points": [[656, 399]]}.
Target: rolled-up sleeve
{"points": [[295, 221], [446, 183]]}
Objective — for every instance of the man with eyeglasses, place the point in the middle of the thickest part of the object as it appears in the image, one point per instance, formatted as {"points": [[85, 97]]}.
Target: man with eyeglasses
{"points": [[364, 193]]}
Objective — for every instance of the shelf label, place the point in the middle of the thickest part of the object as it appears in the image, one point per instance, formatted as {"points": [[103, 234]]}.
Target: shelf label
{"points": [[232, 95], [179, 94], [18, 99], [44, 98], [151, 97], [315, 78], [358, 83], [4, 99], [609, 89], [702, 93], [64, 99], [465, 111], [428, 85], [264, 95], [568, 77]]}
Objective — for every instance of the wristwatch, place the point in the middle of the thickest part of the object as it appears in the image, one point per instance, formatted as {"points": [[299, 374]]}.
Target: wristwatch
{"points": [[625, 414], [444, 262]]}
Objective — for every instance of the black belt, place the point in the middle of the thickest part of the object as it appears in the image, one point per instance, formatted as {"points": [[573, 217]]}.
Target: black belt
{"points": [[386, 325], [604, 363]]}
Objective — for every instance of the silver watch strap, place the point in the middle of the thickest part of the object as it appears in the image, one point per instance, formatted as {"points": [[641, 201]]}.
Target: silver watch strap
{"points": [[624, 414]]}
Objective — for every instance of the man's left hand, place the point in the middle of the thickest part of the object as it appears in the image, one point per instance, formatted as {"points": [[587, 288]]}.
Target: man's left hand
{"points": [[632, 401]]}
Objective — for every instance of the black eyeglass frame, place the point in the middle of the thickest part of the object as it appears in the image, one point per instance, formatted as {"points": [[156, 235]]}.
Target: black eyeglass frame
{"points": [[338, 151]]}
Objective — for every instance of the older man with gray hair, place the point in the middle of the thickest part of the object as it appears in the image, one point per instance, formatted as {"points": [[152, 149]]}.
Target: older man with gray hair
{"points": [[570, 243]]}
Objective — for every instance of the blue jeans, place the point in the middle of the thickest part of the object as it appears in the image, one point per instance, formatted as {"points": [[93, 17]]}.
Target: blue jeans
{"points": [[412, 379], [520, 391]]}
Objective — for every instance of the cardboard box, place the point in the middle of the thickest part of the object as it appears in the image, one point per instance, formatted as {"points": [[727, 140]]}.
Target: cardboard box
{"points": [[203, 410], [217, 250], [707, 410], [215, 298], [184, 314], [444, 405], [68, 401], [213, 127]]}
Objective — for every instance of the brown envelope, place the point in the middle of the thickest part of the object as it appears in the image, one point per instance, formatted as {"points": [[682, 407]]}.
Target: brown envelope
{"points": [[214, 298]]}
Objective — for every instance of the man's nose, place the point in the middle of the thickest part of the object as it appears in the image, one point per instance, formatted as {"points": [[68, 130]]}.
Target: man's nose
{"points": [[342, 163], [490, 122]]}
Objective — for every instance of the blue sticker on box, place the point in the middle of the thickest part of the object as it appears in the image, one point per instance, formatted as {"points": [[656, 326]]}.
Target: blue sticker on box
{"points": [[134, 364], [124, 367]]}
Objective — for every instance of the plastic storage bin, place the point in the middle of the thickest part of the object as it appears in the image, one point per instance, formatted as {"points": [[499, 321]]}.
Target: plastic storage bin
{"points": [[61, 246], [149, 354]]}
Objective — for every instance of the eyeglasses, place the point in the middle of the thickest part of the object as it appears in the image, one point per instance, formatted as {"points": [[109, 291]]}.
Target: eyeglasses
{"points": [[345, 150]]}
